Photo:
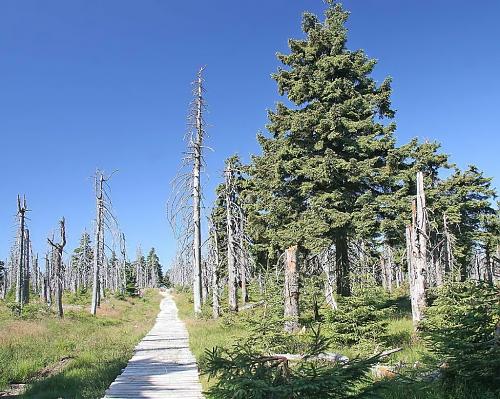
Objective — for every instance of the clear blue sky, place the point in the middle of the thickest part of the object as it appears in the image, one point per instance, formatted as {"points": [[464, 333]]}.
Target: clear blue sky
{"points": [[87, 84]]}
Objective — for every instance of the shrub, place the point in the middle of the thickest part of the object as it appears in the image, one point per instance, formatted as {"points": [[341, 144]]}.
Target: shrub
{"points": [[360, 320], [461, 327], [244, 372]]}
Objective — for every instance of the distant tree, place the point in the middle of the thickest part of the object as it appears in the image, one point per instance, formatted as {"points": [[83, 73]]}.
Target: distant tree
{"points": [[467, 201], [155, 268], [3, 279], [82, 259], [131, 288]]}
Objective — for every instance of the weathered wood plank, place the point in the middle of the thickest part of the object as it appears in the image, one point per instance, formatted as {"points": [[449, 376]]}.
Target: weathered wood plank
{"points": [[162, 365]]}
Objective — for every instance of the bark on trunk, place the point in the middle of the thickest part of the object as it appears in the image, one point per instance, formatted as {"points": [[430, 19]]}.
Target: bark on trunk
{"points": [[342, 265], [231, 247], [197, 283], [21, 211], [96, 292], [215, 277], [417, 250], [292, 289], [58, 250]]}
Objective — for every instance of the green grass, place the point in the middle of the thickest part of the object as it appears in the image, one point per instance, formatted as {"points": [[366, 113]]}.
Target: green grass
{"points": [[205, 333], [77, 357]]}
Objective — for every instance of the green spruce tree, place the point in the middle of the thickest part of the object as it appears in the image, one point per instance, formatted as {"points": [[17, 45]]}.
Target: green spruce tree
{"points": [[321, 168]]}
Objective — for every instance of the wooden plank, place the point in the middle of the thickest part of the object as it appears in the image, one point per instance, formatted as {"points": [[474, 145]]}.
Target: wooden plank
{"points": [[162, 365]]}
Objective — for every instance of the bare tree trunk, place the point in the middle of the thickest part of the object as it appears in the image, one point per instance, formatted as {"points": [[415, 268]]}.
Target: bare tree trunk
{"points": [[215, 276], [123, 251], [97, 245], [46, 289], [231, 245], [59, 248], [329, 282], [21, 212], [292, 289], [417, 246], [243, 261], [197, 283]]}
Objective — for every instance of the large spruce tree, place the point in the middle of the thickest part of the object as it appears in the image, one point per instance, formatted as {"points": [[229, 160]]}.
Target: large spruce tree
{"points": [[321, 167]]}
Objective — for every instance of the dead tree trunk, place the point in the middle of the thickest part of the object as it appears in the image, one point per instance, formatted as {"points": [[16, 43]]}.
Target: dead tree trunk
{"points": [[26, 271], [326, 264], [197, 147], [243, 260], [58, 250], [231, 245], [21, 213], [291, 289], [417, 252], [99, 236], [123, 251], [215, 275]]}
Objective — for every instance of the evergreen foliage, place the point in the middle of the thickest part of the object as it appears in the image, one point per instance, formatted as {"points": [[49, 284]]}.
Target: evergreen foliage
{"points": [[360, 320], [131, 288], [462, 329], [322, 168], [153, 261], [242, 372]]}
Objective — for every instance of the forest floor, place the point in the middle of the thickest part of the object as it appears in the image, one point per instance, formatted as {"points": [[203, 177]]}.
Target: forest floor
{"points": [[206, 333], [79, 356]]}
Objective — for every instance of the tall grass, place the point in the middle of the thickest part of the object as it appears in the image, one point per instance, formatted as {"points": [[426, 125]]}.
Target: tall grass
{"points": [[78, 356]]}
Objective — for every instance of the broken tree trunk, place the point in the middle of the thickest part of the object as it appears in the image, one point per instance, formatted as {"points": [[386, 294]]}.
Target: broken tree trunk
{"points": [[58, 250], [417, 252], [291, 289], [21, 213]]}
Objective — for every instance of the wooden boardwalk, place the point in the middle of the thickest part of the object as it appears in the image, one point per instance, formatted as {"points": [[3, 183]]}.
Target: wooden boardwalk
{"points": [[163, 365]]}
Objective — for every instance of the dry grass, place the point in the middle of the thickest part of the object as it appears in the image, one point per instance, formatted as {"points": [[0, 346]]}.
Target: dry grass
{"points": [[77, 357]]}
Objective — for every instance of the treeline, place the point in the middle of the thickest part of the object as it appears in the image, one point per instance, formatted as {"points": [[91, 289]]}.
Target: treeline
{"points": [[99, 266]]}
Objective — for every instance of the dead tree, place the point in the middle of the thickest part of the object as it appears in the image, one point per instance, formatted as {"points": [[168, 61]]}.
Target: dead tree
{"points": [[231, 244], [26, 269], [186, 201], [215, 273], [416, 236], [326, 261], [197, 147], [123, 252], [291, 289], [20, 280], [99, 238], [243, 258], [58, 251]]}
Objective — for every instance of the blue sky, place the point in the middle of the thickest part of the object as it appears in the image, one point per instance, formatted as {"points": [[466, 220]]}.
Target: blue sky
{"points": [[88, 84]]}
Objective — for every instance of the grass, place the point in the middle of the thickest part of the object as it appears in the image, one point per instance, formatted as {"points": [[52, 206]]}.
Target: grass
{"points": [[205, 333], [78, 356]]}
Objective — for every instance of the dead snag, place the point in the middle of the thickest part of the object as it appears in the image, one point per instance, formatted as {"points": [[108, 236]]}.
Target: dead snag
{"points": [[291, 289], [58, 252]]}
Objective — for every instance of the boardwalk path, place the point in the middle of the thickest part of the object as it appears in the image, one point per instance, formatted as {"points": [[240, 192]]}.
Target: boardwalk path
{"points": [[162, 365]]}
